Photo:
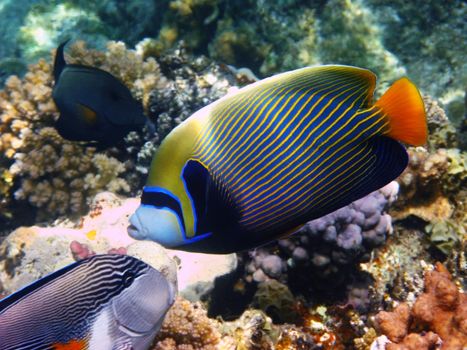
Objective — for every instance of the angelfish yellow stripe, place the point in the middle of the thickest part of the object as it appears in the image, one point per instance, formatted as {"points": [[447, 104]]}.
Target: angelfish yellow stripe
{"points": [[221, 115], [232, 141], [264, 130], [241, 190], [248, 203], [279, 206], [251, 219], [302, 78], [300, 208], [371, 159], [256, 102], [284, 129]]}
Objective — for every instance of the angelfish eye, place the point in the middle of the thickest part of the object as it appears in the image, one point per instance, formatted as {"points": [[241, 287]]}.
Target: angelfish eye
{"points": [[160, 198]]}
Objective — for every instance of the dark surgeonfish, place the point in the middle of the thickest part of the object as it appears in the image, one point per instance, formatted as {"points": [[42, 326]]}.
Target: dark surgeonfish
{"points": [[256, 165], [94, 105], [113, 302]]}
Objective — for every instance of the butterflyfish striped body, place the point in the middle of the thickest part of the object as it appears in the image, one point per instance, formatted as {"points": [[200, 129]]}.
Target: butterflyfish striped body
{"points": [[106, 302], [263, 161]]}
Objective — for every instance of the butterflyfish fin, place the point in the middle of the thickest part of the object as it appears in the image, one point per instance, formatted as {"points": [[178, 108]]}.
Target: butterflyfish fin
{"points": [[214, 207], [59, 61], [89, 116], [404, 108]]}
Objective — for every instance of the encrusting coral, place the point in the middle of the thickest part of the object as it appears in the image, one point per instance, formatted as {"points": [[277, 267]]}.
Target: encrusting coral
{"points": [[187, 327], [441, 311], [434, 185]]}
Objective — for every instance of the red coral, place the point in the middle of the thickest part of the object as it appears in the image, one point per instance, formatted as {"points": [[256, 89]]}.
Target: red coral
{"points": [[441, 309]]}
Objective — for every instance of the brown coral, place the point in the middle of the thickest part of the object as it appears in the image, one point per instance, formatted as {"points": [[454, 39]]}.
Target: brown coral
{"points": [[187, 327], [395, 324], [440, 311], [427, 341]]}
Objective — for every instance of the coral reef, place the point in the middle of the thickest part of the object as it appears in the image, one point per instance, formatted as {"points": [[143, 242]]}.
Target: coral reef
{"points": [[30, 253], [193, 82], [190, 83], [397, 268], [33, 28], [433, 187], [441, 311], [269, 37], [187, 326], [276, 300], [350, 35], [58, 182]]}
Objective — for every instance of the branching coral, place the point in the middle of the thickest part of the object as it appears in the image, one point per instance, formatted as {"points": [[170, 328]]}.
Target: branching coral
{"points": [[441, 311], [58, 176]]}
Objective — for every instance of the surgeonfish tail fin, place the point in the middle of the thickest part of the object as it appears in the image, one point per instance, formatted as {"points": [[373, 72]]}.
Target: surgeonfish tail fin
{"points": [[59, 62], [404, 108]]}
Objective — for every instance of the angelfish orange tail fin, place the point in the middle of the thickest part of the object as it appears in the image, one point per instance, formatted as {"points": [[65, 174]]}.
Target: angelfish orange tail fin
{"points": [[404, 108]]}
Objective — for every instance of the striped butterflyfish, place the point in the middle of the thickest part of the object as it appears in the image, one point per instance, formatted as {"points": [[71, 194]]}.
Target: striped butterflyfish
{"points": [[113, 302], [259, 163]]}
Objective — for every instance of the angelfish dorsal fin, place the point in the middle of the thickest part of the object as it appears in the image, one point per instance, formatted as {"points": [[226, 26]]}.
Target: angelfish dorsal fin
{"points": [[59, 61], [328, 80]]}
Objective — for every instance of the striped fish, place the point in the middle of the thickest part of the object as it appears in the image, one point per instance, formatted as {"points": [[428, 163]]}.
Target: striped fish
{"points": [[112, 302], [256, 165]]}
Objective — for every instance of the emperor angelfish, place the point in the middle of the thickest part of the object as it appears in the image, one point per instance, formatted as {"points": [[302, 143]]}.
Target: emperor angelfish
{"points": [[256, 165], [94, 105], [106, 302]]}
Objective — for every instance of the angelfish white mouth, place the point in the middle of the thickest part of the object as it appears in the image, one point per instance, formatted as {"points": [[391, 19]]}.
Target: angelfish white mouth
{"points": [[135, 230]]}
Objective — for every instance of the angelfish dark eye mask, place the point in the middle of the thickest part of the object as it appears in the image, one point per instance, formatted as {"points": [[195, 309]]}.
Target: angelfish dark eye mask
{"points": [[160, 198]]}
